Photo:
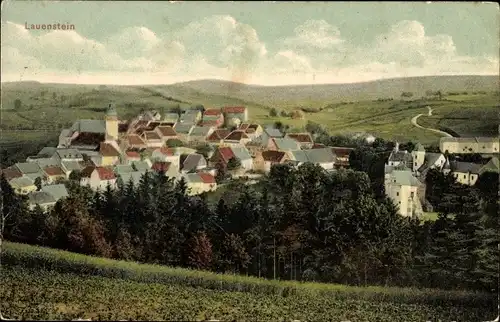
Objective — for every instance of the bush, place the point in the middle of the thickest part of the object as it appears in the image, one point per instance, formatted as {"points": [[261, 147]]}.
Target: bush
{"points": [[273, 112]]}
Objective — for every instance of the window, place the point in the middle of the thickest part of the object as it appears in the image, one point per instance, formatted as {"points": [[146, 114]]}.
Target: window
{"points": [[415, 164], [412, 194], [397, 194], [400, 202], [465, 176]]}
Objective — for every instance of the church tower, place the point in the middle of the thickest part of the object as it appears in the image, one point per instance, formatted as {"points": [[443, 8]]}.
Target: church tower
{"points": [[111, 120]]}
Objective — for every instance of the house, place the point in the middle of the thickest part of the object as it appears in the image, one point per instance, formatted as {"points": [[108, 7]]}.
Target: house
{"points": [[69, 155], [402, 188], [430, 161], [236, 138], [132, 155], [252, 130], [324, 157], [222, 155], [23, 185], [11, 173], [466, 172], [183, 130], [95, 157], [193, 162], [217, 136], [304, 139], [191, 116], [166, 168], [213, 117], [54, 174], [46, 162], [87, 134], [134, 176], [199, 134], [464, 145], [110, 153], [30, 169], [48, 196], [166, 155], [47, 152], [122, 169], [242, 154], [400, 157], [135, 141], [198, 183], [284, 144], [342, 156], [270, 132], [42, 199], [58, 191], [171, 117], [235, 112], [152, 139], [166, 133], [270, 158], [70, 166], [98, 178]]}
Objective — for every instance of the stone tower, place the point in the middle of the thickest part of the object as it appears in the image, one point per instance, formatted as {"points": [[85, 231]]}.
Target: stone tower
{"points": [[111, 120], [418, 155]]}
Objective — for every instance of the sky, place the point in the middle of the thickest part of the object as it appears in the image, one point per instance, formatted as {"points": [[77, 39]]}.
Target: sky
{"points": [[266, 43]]}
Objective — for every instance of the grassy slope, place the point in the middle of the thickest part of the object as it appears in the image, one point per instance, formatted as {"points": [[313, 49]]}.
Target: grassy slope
{"points": [[72, 285]]}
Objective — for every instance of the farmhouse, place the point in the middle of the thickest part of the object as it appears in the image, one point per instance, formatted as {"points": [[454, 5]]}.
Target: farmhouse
{"points": [[464, 145]]}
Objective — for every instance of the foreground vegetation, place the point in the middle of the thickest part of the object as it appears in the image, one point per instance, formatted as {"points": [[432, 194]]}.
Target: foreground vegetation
{"points": [[41, 283]]}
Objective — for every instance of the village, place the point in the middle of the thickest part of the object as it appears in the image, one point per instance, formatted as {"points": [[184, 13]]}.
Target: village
{"points": [[199, 144]]}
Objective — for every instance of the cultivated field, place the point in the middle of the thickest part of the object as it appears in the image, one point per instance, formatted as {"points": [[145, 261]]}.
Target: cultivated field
{"points": [[40, 283]]}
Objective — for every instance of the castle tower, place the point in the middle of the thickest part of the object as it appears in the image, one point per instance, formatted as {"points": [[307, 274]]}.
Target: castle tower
{"points": [[111, 120], [418, 155]]}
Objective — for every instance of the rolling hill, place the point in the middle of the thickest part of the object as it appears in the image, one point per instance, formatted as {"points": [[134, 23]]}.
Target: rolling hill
{"points": [[334, 93]]}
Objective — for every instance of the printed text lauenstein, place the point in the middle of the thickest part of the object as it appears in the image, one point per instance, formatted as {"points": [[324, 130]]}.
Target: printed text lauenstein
{"points": [[51, 26]]}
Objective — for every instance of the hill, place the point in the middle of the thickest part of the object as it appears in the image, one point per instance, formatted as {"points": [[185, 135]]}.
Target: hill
{"points": [[334, 93], [42, 283]]}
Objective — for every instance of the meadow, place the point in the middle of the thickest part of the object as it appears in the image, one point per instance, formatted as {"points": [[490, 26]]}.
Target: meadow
{"points": [[42, 283]]}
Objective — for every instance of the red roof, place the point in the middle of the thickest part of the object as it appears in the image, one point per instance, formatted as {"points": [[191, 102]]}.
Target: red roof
{"points": [[301, 137], [218, 135], [133, 154], [151, 135], [166, 151], [273, 156], [108, 150], [342, 151], [234, 109], [226, 153], [105, 173], [206, 177], [318, 146], [236, 136], [161, 166], [213, 112], [11, 174], [134, 139], [166, 131], [54, 171]]}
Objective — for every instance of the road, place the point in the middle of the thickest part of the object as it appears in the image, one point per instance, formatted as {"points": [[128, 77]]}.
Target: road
{"points": [[414, 122]]}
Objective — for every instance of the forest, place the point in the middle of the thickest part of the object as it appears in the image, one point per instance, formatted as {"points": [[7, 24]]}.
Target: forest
{"points": [[301, 224]]}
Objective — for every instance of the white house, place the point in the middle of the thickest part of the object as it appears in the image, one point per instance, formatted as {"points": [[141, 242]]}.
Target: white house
{"points": [[98, 178], [402, 187]]}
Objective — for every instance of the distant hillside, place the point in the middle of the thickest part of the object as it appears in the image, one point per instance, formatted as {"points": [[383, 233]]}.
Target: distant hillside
{"points": [[269, 95]]}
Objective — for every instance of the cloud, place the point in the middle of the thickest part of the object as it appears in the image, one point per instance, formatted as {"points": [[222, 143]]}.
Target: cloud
{"points": [[222, 47], [317, 34]]}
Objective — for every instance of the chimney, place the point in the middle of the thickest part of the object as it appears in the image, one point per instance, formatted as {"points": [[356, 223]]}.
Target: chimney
{"points": [[396, 147]]}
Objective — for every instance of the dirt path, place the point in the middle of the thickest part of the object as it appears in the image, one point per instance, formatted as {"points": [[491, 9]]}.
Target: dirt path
{"points": [[414, 122]]}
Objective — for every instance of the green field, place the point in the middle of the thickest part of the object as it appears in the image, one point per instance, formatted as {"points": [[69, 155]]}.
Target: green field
{"points": [[41, 283], [342, 109]]}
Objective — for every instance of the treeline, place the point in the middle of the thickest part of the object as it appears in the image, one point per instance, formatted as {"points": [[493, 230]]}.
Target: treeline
{"points": [[302, 224]]}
